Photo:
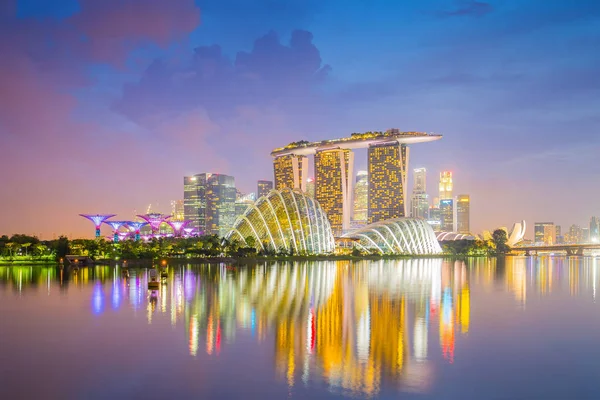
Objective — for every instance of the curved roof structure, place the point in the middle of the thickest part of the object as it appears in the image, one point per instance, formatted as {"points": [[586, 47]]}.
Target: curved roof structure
{"points": [[397, 236], [285, 220], [355, 141], [517, 233], [441, 236]]}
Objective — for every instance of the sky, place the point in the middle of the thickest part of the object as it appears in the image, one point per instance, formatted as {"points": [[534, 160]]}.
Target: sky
{"points": [[106, 104]]}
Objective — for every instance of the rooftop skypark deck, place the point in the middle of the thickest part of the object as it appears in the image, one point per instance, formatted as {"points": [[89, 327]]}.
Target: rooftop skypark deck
{"points": [[355, 141]]}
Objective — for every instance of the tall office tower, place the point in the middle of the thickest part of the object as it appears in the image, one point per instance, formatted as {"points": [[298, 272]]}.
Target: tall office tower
{"points": [[194, 200], [575, 235], [333, 186], [220, 204], [420, 177], [290, 171], [446, 185], [387, 181], [594, 229], [585, 235], [447, 215], [242, 203], [310, 187], [361, 196], [559, 237], [435, 219], [545, 233], [177, 210], [463, 205], [263, 188]]}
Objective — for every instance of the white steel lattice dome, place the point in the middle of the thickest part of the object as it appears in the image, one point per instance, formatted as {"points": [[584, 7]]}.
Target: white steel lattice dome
{"points": [[284, 220], [397, 236]]}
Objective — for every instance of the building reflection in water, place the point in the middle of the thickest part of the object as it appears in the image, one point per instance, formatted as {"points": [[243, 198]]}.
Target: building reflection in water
{"points": [[358, 326]]}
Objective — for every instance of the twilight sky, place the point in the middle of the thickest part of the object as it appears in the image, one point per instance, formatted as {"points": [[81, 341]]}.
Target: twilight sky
{"points": [[106, 104]]}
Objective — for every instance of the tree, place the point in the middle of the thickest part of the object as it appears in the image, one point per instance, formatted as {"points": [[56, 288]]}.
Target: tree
{"points": [[499, 238], [26, 245]]}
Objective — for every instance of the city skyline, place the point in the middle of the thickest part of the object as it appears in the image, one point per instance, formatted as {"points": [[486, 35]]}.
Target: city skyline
{"points": [[74, 115]]}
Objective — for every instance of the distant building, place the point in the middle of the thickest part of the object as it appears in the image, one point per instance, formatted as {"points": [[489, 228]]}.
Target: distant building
{"points": [[559, 237], [177, 210], [419, 200], [446, 185], [333, 186], [575, 235], [435, 219], [447, 215], [361, 196], [310, 187], [463, 205], [242, 203], [545, 233], [263, 188], [220, 204], [585, 235], [194, 200], [387, 181], [594, 230], [290, 171]]}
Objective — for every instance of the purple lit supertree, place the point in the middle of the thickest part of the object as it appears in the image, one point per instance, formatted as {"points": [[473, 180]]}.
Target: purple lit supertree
{"points": [[178, 226], [154, 220], [116, 225], [136, 226], [97, 219]]}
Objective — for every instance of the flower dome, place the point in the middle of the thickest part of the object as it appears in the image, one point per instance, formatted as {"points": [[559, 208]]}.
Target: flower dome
{"points": [[397, 236], [285, 220]]}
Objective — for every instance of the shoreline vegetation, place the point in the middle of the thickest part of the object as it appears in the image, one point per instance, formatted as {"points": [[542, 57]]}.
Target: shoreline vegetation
{"points": [[29, 250]]}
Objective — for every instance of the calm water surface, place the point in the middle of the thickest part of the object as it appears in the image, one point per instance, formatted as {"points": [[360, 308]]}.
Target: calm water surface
{"points": [[520, 328]]}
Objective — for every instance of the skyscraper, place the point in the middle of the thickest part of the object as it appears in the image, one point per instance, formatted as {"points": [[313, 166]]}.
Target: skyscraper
{"points": [[333, 186], [446, 185], [463, 205], [594, 229], [575, 235], [361, 195], [220, 204], [420, 199], [194, 200], [447, 215], [177, 210], [290, 171], [387, 181], [545, 233], [264, 187]]}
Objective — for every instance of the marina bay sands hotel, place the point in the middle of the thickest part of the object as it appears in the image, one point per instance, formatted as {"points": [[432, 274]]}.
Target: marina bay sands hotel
{"points": [[388, 155]]}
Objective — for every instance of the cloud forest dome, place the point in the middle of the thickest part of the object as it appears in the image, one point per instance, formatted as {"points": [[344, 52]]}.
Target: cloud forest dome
{"points": [[397, 236], [285, 220]]}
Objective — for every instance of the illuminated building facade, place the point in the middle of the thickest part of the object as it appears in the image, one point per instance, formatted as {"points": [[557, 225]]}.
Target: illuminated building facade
{"points": [[263, 188], [220, 204], [545, 233], [290, 171], [575, 235], [420, 180], [361, 197], [463, 205], [387, 181], [177, 210], [419, 200], [333, 186], [447, 215], [435, 218], [446, 185], [194, 200]]}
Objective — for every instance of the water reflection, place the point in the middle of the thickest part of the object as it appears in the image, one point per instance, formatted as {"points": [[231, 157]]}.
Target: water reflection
{"points": [[356, 326]]}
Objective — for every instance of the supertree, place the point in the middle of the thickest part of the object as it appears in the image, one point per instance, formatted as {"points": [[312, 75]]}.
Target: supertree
{"points": [[116, 225], [97, 219], [188, 231], [178, 226], [135, 226], [154, 220]]}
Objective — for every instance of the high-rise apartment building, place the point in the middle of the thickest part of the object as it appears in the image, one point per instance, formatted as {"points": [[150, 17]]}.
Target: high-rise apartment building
{"points": [[595, 230], [446, 185], [333, 186], [263, 188], [463, 205], [447, 215], [420, 199], [387, 181], [545, 233], [194, 200], [220, 204], [290, 171], [177, 210], [361, 196]]}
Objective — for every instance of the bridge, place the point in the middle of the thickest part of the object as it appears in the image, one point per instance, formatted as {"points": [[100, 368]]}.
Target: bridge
{"points": [[570, 249]]}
